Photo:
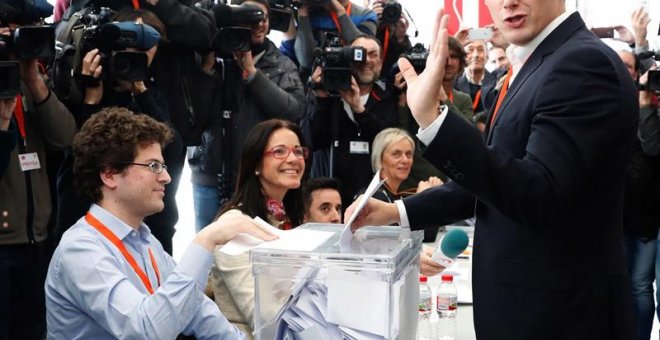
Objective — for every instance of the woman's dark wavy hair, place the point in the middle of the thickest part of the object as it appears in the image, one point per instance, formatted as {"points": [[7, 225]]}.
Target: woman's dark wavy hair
{"points": [[248, 196]]}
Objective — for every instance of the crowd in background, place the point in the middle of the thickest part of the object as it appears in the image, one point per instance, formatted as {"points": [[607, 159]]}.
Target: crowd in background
{"points": [[212, 98]]}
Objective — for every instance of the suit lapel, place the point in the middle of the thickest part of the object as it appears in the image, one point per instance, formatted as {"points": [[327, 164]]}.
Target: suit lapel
{"points": [[562, 33]]}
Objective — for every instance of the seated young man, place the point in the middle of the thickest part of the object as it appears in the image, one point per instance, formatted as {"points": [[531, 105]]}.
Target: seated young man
{"points": [[322, 200], [109, 277]]}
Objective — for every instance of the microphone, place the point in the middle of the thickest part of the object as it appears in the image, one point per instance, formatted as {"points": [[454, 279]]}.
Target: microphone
{"points": [[452, 244]]}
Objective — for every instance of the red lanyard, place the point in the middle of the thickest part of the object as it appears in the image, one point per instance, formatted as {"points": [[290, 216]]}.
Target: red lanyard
{"points": [[20, 117], [451, 97], [334, 17], [386, 42], [129, 258], [136, 4], [475, 104], [500, 98]]}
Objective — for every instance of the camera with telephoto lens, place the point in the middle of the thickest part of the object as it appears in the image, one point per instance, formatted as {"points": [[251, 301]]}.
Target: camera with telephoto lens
{"points": [[391, 12], [653, 83], [232, 37], [112, 39], [335, 61], [417, 56]]}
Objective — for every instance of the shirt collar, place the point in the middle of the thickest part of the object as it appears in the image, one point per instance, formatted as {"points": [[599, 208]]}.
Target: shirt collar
{"points": [[519, 54], [117, 226]]}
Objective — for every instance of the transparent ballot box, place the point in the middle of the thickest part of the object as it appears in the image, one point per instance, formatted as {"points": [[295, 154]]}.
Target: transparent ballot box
{"points": [[363, 288]]}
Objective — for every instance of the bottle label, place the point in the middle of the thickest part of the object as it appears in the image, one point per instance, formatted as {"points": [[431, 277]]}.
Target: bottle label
{"points": [[425, 305], [445, 303]]}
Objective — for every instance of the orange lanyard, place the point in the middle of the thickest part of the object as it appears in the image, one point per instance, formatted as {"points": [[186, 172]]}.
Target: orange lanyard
{"points": [[136, 4], [475, 103], [129, 258], [386, 42], [335, 19], [500, 98], [451, 97], [20, 117]]}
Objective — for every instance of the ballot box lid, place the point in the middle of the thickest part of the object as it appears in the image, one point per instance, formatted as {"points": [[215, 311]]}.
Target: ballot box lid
{"points": [[386, 249]]}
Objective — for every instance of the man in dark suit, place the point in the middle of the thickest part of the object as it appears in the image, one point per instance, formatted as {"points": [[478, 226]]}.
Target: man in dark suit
{"points": [[546, 184]]}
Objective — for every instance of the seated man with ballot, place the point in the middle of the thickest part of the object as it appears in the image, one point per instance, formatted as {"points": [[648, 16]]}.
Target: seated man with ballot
{"points": [[109, 277]]}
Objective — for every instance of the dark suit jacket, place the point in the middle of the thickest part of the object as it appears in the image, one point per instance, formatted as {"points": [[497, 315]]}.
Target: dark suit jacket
{"points": [[488, 92], [548, 182]]}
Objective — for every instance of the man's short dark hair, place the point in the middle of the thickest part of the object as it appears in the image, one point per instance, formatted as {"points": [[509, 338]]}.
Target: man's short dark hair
{"points": [[108, 141], [317, 184]]}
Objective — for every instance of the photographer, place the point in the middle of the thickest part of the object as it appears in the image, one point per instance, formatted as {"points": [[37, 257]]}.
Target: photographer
{"points": [[32, 122], [104, 87], [258, 85], [642, 196], [338, 16], [361, 113], [392, 28]]}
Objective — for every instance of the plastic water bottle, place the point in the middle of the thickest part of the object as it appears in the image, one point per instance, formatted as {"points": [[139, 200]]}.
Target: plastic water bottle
{"points": [[425, 309], [446, 307]]}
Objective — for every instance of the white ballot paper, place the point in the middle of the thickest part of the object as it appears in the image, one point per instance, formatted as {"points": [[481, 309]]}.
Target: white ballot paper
{"points": [[347, 234], [294, 239]]}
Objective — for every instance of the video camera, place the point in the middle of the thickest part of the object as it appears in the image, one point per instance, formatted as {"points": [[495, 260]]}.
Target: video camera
{"points": [[417, 56], [112, 39], [229, 19], [653, 84], [29, 42], [24, 12], [335, 61]]}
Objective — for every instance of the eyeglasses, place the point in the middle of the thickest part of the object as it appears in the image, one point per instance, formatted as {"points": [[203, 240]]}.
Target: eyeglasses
{"points": [[283, 151], [155, 166]]}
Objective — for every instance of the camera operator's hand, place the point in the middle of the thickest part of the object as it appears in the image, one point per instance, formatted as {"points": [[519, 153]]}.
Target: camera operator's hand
{"points": [[645, 96], [462, 35], [377, 7], [91, 66], [246, 63], [424, 89], [317, 78], [7, 106], [624, 34], [337, 7], [400, 83], [134, 87], [30, 75], [352, 97], [640, 21]]}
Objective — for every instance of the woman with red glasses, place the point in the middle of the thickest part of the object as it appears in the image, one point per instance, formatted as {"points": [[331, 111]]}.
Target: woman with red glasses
{"points": [[271, 169]]}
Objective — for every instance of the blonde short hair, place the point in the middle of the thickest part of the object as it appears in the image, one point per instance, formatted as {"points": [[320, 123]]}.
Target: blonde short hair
{"points": [[383, 140]]}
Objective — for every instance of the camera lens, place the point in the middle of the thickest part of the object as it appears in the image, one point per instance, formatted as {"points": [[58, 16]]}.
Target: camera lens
{"points": [[391, 13]]}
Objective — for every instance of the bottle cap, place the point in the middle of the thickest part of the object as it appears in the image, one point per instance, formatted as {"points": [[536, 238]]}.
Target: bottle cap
{"points": [[447, 277], [423, 278]]}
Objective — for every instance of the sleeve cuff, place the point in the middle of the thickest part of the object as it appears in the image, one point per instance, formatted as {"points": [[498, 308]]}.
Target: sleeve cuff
{"points": [[196, 262], [427, 134], [403, 215]]}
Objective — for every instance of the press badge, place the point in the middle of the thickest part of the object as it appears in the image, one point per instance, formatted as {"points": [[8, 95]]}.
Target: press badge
{"points": [[29, 161], [358, 147]]}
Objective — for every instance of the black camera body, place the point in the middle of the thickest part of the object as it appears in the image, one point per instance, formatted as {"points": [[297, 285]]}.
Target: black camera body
{"points": [[336, 61], [280, 14], [315, 3], [231, 37], [417, 56], [10, 81], [653, 84], [29, 42], [391, 12]]}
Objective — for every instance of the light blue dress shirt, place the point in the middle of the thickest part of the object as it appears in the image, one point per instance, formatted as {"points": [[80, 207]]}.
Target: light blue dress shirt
{"points": [[93, 293]]}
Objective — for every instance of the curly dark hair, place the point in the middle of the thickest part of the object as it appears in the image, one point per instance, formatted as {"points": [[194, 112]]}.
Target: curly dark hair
{"points": [[107, 141], [248, 196], [457, 51]]}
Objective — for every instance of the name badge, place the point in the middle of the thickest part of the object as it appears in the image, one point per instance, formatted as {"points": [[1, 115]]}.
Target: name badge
{"points": [[359, 147], [29, 161]]}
